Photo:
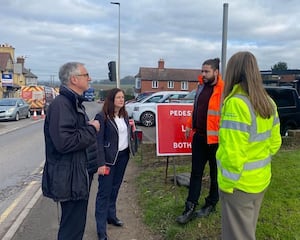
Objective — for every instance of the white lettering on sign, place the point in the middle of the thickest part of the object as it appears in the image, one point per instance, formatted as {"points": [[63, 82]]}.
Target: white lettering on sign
{"points": [[177, 145], [180, 113]]}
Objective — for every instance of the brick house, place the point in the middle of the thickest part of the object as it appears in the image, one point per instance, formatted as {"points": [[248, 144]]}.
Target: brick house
{"points": [[165, 79], [172, 79]]}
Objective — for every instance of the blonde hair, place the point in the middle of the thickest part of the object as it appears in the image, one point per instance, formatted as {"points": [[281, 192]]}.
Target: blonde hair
{"points": [[242, 69]]}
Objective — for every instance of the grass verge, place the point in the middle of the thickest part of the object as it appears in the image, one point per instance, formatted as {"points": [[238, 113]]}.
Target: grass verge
{"points": [[162, 201]]}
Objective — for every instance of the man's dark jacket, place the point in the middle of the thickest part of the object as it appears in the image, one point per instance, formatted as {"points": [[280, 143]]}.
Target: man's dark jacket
{"points": [[71, 149]]}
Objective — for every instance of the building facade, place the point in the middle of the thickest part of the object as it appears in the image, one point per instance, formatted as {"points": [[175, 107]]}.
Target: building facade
{"points": [[160, 78], [165, 79], [13, 74]]}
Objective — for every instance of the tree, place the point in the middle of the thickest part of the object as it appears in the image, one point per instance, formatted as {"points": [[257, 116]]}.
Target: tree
{"points": [[280, 66]]}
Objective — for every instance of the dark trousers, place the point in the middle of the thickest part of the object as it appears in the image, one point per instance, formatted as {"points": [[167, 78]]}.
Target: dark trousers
{"points": [[73, 218], [108, 189], [201, 153]]}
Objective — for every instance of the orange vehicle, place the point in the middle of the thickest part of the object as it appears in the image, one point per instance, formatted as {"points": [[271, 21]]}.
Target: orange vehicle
{"points": [[38, 97]]}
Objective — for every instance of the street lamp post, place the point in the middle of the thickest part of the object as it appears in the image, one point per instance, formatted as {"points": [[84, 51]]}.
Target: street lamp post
{"points": [[118, 78]]}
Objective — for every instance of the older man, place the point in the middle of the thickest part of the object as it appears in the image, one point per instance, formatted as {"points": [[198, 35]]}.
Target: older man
{"points": [[71, 151]]}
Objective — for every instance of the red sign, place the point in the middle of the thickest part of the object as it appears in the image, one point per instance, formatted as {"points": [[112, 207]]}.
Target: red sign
{"points": [[171, 120]]}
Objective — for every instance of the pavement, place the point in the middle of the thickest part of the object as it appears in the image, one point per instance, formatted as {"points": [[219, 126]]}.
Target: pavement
{"points": [[35, 217], [39, 219]]}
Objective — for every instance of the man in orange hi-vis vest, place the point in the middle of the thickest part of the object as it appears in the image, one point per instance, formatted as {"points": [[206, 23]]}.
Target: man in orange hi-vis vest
{"points": [[204, 122]]}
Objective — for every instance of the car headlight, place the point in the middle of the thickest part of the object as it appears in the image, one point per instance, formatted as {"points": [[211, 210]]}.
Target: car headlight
{"points": [[136, 109], [10, 110]]}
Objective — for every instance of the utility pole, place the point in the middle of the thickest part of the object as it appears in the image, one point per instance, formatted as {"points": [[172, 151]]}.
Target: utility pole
{"points": [[224, 39], [119, 43]]}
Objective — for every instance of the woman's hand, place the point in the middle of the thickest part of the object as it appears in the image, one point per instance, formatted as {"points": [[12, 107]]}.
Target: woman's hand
{"points": [[101, 170]]}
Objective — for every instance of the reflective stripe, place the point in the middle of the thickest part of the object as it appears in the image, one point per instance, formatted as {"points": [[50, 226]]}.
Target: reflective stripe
{"points": [[235, 125], [212, 133], [257, 164], [254, 136], [226, 173], [213, 112], [276, 121], [247, 166]]}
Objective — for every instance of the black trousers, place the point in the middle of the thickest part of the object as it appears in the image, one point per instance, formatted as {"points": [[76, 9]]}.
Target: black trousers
{"points": [[108, 190], [201, 154], [73, 218]]}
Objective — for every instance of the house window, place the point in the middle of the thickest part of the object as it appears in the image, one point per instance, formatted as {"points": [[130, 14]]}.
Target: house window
{"points": [[154, 84], [170, 84], [138, 83], [184, 85]]}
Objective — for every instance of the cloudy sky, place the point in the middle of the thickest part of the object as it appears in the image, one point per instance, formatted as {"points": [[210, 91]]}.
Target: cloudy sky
{"points": [[182, 32]]}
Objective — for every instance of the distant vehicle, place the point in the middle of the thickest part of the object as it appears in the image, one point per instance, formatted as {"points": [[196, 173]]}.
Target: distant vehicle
{"points": [[144, 111], [288, 104], [89, 94], [189, 98], [139, 97], [38, 97], [14, 109], [287, 101]]}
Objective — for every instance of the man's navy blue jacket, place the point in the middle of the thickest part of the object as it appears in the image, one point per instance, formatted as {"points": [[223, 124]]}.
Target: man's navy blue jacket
{"points": [[71, 149]]}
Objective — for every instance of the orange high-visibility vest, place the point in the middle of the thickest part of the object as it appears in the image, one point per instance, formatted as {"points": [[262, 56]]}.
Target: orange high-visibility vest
{"points": [[214, 111]]}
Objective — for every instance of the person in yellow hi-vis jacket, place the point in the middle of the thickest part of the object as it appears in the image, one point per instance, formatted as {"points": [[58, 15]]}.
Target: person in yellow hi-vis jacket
{"points": [[249, 136]]}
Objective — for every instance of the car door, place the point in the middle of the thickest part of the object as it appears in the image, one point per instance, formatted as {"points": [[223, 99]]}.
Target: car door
{"points": [[22, 107]]}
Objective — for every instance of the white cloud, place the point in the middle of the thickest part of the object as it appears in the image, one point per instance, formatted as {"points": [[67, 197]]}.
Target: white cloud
{"points": [[184, 33]]}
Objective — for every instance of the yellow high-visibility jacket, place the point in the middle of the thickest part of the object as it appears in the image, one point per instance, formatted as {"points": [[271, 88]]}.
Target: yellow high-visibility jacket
{"points": [[246, 144]]}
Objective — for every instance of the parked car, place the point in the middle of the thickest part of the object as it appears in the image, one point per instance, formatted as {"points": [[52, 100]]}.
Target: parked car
{"points": [[129, 105], [140, 97], [14, 109], [144, 111], [288, 104], [190, 97]]}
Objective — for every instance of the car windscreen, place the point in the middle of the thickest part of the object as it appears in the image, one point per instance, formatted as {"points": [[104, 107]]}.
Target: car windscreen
{"points": [[7, 102], [154, 99]]}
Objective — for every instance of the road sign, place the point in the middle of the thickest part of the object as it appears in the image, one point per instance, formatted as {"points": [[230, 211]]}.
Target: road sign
{"points": [[171, 119]]}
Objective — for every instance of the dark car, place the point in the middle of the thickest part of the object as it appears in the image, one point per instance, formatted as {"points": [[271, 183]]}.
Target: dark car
{"points": [[288, 104], [14, 109]]}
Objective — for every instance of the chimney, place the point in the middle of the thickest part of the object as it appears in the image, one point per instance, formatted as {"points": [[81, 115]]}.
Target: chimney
{"points": [[161, 64], [21, 60]]}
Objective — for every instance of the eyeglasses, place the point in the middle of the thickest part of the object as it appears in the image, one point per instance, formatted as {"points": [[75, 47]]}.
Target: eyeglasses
{"points": [[83, 75], [205, 71]]}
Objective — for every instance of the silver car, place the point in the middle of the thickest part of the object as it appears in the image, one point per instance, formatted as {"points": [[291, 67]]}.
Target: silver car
{"points": [[14, 109]]}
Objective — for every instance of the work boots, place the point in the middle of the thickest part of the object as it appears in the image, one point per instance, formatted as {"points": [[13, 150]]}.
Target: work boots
{"points": [[187, 214], [205, 211]]}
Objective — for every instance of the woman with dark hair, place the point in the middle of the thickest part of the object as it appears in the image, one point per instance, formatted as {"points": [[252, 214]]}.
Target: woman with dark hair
{"points": [[114, 146], [248, 138]]}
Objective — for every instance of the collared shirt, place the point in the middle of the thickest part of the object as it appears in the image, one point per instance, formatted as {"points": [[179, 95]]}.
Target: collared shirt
{"points": [[123, 133]]}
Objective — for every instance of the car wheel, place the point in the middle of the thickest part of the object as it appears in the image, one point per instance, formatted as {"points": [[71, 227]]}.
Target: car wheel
{"points": [[28, 114], [148, 119], [17, 117], [285, 130]]}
